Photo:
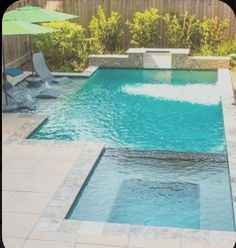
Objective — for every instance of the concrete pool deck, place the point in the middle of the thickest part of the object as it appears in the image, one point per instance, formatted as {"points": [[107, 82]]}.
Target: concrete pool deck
{"points": [[41, 178]]}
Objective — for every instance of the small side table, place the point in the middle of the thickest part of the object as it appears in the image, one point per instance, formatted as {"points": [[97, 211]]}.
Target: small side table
{"points": [[33, 81]]}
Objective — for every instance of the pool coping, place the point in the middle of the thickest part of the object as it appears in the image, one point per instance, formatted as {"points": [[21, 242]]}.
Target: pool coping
{"points": [[103, 233], [229, 118], [21, 135], [86, 73]]}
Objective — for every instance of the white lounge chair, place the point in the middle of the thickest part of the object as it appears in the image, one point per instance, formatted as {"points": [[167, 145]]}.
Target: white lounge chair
{"points": [[42, 70]]}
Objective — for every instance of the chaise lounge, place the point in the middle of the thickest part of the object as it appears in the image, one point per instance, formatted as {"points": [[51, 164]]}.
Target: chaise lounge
{"points": [[48, 94], [8, 90], [42, 70], [13, 106]]}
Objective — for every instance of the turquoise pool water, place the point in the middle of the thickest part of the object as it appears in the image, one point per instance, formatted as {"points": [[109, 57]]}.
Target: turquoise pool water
{"points": [[156, 188], [141, 109], [139, 113]]}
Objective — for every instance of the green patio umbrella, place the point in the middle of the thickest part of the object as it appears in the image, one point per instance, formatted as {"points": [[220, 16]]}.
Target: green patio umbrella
{"points": [[36, 14], [32, 14], [21, 28]]}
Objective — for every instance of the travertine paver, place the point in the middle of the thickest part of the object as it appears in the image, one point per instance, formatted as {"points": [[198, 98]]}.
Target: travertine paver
{"points": [[58, 153], [6, 194], [54, 236], [13, 242], [85, 74], [27, 202], [47, 244], [69, 226], [11, 165], [11, 181], [103, 239], [90, 227], [47, 167], [40, 183], [27, 152], [148, 243], [18, 225], [79, 245]]}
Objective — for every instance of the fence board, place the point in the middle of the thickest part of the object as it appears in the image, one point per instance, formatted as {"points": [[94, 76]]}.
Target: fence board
{"points": [[15, 46]]}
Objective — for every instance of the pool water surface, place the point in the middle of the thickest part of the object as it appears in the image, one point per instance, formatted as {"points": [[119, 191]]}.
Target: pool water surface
{"points": [[142, 109]]}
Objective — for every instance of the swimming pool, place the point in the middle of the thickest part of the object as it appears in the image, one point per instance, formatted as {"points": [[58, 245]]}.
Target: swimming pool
{"points": [[141, 109], [156, 188], [139, 114]]}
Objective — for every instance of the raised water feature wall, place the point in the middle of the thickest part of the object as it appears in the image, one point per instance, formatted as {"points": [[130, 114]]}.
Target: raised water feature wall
{"points": [[159, 58]]}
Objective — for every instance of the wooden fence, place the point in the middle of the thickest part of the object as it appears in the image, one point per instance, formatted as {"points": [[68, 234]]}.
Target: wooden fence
{"points": [[15, 46]]}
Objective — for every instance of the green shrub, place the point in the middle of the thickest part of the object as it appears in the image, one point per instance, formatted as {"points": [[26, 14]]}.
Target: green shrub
{"points": [[64, 49], [92, 46], [212, 35], [143, 28], [106, 32], [226, 48], [180, 30], [233, 62]]}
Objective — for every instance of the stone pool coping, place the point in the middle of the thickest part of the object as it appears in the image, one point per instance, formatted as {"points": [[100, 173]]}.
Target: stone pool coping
{"points": [[84, 74], [52, 226], [229, 117]]}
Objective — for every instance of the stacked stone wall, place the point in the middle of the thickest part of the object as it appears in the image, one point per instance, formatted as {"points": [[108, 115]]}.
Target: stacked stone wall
{"points": [[179, 61]]}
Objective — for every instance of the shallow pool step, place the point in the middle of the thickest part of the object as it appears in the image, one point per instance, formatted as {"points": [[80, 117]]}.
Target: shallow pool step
{"points": [[166, 155]]}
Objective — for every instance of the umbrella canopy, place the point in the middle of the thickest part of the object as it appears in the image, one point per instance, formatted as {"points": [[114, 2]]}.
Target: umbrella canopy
{"points": [[36, 14], [23, 28]]}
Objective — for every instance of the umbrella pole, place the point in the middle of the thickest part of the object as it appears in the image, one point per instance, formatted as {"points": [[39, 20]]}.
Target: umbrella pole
{"points": [[4, 69], [3, 61], [31, 55]]}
